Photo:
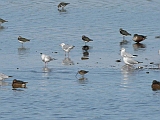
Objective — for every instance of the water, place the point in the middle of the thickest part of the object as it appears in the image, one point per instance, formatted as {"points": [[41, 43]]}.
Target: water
{"points": [[109, 90]]}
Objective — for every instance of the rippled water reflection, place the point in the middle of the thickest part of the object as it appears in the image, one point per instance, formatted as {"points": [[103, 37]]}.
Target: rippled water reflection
{"points": [[110, 90]]}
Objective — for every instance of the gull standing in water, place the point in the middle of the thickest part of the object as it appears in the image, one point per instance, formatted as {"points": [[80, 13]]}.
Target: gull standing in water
{"points": [[123, 53], [46, 58], [124, 33], [3, 76], [66, 48], [129, 61], [22, 40]]}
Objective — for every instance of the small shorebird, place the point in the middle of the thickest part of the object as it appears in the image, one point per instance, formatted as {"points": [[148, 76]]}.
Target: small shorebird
{"points": [[62, 5], [66, 48], [2, 21], [86, 39], [22, 40], [155, 85], [124, 33], [18, 84], [82, 72], [3, 76], [138, 38], [123, 52], [129, 61], [46, 58]]}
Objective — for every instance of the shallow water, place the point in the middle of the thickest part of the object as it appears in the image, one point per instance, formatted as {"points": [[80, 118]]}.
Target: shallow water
{"points": [[110, 89]]}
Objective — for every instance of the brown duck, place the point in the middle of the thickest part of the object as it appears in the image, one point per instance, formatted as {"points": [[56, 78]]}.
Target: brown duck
{"points": [[138, 38], [155, 85], [18, 84]]}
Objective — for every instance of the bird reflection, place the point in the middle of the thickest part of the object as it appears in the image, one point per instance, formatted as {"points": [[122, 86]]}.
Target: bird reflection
{"points": [[23, 50], [124, 42], [85, 54], [67, 61], [46, 69], [3, 83], [62, 10], [2, 27], [85, 50], [82, 80], [137, 46], [127, 70]]}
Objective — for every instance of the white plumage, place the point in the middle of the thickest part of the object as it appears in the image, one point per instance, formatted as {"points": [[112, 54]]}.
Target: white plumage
{"points": [[46, 58], [3, 76], [66, 47], [123, 53]]}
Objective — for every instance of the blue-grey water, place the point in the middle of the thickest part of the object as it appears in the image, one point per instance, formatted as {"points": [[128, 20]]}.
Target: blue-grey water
{"points": [[109, 91]]}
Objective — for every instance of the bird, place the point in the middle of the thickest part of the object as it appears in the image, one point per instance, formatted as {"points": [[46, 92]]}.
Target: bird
{"points": [[138, 38], [3, 76], [66, 48], [155, 85], [123, 52], [129, 61], [124, 32], [2, 21], [46, 58], [18, 84], [82, 72], [86, 39], [62, 4], [85, 47], [22, 40]]}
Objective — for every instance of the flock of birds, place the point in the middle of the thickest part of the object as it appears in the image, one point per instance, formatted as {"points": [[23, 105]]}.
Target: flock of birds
{"points": [[127, 57]]}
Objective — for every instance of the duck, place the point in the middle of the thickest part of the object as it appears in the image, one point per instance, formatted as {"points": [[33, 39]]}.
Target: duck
{"points": [[138, 38], [18, 84], [155, 85]]}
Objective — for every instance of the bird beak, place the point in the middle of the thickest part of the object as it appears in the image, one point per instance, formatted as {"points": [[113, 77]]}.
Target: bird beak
{"points": [[76, 74]]}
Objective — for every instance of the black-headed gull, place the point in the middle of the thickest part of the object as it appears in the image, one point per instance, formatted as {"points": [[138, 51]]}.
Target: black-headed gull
{"points": [[46, 58], [129, 61], [123, 52], [66, 48], [3, 76]]}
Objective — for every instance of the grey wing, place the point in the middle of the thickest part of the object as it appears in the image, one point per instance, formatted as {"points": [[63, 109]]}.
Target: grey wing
{"points": [[132, 61], [129, 55], [48, 57], [66, 46]]}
